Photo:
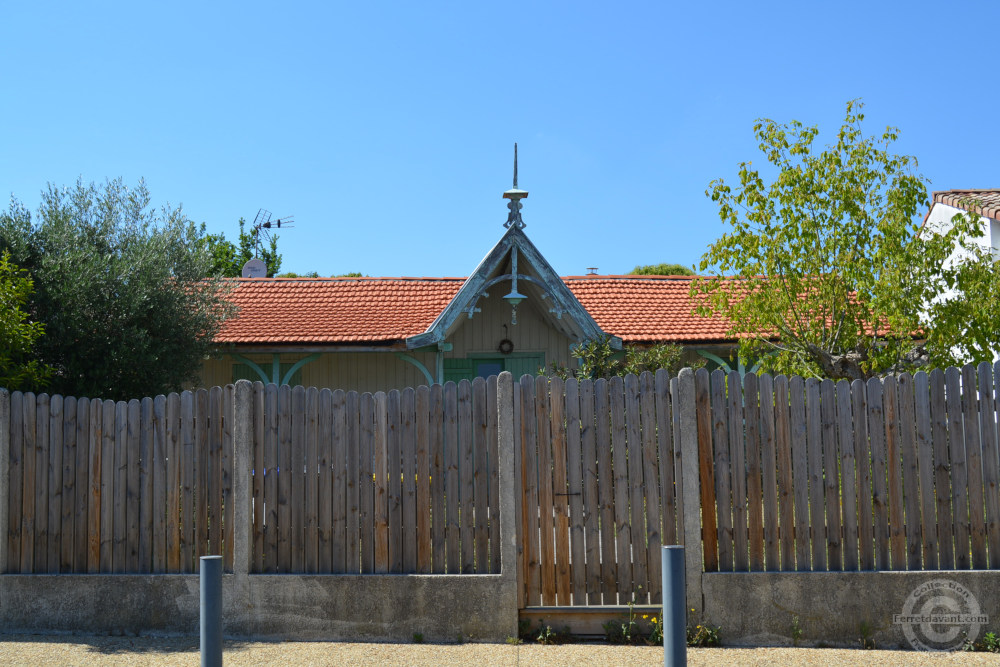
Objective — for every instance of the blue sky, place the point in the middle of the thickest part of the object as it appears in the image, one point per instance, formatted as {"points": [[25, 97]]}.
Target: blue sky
{"points": [[386, 129]]}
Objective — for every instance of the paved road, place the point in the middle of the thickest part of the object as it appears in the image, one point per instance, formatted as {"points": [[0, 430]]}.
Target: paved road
{"points": [[83, 650]]}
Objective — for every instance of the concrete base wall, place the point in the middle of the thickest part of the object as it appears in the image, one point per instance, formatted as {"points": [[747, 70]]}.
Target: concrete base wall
{"points": [[759, 608], [307, 607]]}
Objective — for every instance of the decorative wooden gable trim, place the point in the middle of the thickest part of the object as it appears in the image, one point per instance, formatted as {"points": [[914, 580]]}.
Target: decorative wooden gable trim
{"points": [[558, 305]]}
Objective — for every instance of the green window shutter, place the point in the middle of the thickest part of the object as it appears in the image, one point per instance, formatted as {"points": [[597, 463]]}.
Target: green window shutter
{"points": [[458, 369], [243, 372]]}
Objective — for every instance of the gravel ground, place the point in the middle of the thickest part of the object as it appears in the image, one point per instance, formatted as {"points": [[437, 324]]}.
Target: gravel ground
{"points": [[38, 650]]}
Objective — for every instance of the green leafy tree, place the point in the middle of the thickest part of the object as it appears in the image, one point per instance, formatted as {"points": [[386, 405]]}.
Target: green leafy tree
{"points": [[598, 359], [661, 270], [292, 274], [824, 271], [120, 288], [228, 259], [19, 370]]}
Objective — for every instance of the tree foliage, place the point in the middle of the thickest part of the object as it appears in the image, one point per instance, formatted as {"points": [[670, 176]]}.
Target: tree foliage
{"points": [[19, 370], [119, 287], [825, 270], [228, 258], [598, 359], [661, 270]]}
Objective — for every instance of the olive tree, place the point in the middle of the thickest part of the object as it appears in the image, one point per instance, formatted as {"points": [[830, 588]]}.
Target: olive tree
{"points": [[120, 289]]}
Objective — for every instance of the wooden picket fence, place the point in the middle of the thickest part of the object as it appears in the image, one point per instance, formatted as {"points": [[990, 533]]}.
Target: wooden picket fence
{"points": [[598, 495], [104, 487], [894, 474], [397, 482], [794, 474]]}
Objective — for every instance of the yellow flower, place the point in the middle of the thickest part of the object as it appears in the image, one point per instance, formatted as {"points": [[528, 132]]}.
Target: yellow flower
{"points": [[645, 616]]}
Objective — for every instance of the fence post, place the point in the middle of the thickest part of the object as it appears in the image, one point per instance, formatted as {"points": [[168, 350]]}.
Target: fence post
{"points": [[242, 503], [690, 491], [242, 432], [4, 476], [507, 486]]}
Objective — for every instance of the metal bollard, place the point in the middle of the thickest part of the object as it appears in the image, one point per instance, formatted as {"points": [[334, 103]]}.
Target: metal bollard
{"points": [[211, 611], [674, 607]]}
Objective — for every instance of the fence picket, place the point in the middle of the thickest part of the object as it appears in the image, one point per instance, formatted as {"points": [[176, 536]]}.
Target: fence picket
{"points": [[259, 471], [800, 471], [492, 460], [436, 440], [158, 467], [605, 492], [69, 468], [831, 477], [560, 499], [531, 565], [17, 464], [706, 471], [284, 522], [203, 447], [784, 449], [271, 474], [297, 480], [80, 537], [908, 447], [877, 431], [991, 465], [380, 463], [325, 470], [467, 490], [651, 489], [974, 467], [408, 509], [667, 451], [42, 464], [480, 476], [848, 474], [341, 485], [394, 488], [754, 487], [423, 480], [133, 503], [959, 468], [737, 470], [366, 483], [814, 435], [942, 468], [723, 479], [863, 462], [453, 551], [925, 461], [546, 550], [574, 479], [623, 531], [107, 486], [310, 537], [769, 472], [352, 412], [54, 448]]}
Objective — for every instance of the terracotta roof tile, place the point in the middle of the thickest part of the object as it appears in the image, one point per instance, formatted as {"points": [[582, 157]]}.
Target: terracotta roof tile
{"points": [[335, 310], [646, 308], [988, 200], [387, 310]]}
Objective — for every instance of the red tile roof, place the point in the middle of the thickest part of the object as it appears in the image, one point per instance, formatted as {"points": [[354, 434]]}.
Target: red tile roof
{"points": [[988, 201], [335, 310], [646, 309], [382, 311]]}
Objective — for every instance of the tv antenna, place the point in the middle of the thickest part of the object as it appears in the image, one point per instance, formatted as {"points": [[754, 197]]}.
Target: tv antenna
{"points": [[263, 224]]}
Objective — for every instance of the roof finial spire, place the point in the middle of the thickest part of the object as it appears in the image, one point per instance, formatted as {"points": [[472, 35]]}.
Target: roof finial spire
{"points": [[515, 195], [515, 165]]}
